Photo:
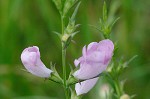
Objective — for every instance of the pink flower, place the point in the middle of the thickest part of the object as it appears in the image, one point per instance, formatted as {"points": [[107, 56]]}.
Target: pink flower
{"points": [[94, 60], [30, 58], [85, 86]]}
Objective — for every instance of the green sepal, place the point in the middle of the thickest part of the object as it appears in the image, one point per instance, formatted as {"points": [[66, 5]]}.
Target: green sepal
{"points": [[54, 75], [72, 80], [66, 44]]}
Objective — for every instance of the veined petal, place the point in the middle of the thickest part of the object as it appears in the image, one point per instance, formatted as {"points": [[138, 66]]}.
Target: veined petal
{"points": [[85, 86]]}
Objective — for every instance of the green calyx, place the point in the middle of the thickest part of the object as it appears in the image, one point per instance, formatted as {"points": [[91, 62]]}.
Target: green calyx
{"points": [[54, 75]]}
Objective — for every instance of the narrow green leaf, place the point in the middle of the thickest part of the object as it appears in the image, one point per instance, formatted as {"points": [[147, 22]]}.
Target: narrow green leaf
{"points": [[58, 34], [112, 24], [58, 4], [75, 11], [73, 34], [127, 63], [104, 12]]}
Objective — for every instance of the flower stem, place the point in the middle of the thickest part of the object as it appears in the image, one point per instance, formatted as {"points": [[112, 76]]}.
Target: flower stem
{"points": [[64, 61], [117, 88]]}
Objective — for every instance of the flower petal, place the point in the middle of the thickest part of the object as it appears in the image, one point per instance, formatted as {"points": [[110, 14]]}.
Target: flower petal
{"points": [[84, 51], [85, 86], [88, 71], [92, 46], [107, 47], [76, 62]]}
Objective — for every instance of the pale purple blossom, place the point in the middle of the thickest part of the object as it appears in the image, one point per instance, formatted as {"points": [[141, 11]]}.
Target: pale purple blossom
{"points": [[94, 60], [85, 86], [30, 58]]}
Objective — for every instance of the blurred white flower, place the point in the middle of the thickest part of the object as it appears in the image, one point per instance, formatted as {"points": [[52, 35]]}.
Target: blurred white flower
{"points": [[104, 91]]}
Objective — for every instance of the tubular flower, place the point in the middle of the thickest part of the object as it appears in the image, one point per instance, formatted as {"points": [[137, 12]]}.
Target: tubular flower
{"points": [[30, 58], [94, 60], [85, 86]]}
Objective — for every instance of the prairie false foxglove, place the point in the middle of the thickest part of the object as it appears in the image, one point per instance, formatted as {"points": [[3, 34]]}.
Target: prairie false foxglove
{"points": [[94, 60]]}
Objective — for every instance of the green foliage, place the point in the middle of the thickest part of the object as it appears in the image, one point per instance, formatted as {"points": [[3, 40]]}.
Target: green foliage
{"points": [[58, 4], [106, 22]]}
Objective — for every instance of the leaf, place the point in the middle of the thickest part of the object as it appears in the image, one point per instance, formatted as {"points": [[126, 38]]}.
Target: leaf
{"points": [[104, 12], [54, 75], [58, 34], [95, 27], [68, 4], [127, 63], [112, 24], [58, 4], [73, 34], [75, 11]]}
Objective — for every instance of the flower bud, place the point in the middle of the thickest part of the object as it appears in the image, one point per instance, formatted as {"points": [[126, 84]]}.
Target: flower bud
{"points": [[30, 58], [65, 37], [94, 60], [125, 96]]}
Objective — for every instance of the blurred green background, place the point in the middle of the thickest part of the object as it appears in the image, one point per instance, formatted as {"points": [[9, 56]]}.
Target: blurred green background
{"points": [[26, 23]]}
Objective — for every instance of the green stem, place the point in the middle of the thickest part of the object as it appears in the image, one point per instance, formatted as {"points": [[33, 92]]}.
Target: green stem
{"points": [[64, 61], [62, 24], [117, 88]]}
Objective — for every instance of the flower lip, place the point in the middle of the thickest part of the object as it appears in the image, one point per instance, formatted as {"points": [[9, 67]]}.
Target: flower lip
{"points": [[33, 49], [85, 86]]}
